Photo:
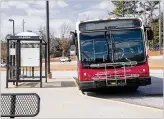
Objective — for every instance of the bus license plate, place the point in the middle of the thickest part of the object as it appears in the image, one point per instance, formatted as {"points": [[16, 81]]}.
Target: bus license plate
{"points": [[113, 83]]}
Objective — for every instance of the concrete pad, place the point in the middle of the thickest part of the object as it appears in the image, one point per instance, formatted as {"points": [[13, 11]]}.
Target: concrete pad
{"points": [[68, 102]]}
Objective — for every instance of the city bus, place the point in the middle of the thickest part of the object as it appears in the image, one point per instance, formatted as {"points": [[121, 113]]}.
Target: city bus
{"points": [[112, 52]]}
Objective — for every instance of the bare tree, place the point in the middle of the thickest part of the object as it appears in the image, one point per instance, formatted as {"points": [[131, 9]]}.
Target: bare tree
{"points": [[149, 9], [65, 28], [64, 46], [54, 41], [3, 49]]}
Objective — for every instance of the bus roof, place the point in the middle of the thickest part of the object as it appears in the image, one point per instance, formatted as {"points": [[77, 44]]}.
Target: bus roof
{"points": [[104, 19], [112, 18]]}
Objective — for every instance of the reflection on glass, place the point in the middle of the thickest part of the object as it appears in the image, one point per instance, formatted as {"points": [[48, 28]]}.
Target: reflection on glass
{"points": [[124, 45], [129, 45]]}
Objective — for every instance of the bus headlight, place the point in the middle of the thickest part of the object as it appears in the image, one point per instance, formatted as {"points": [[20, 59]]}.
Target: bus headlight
{"points": [[142, 72], [86, 76]]}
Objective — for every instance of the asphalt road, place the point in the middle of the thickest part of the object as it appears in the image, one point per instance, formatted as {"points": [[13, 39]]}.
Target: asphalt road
{"points": [[60, 98], [150, 95]]}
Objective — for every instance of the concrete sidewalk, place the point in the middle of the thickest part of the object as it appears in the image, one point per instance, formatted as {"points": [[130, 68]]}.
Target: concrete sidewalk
{"points": [[68, 102]]}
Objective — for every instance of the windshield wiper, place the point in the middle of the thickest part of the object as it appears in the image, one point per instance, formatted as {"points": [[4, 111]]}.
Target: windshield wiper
{"points": [[87, 63], [108, 57], [85, 55], [113, 44]]}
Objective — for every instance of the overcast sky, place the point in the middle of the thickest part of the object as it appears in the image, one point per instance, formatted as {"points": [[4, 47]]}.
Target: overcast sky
{"points": [[34, 13]]}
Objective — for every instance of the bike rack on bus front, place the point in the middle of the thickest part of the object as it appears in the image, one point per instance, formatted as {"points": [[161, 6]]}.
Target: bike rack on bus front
{"points": [[116, 76], [20, 105]]}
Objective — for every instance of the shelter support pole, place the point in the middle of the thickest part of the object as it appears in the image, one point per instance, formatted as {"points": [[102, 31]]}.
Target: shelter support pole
{"points": [[14, 71], [7, 76], [18, 62], [41, 63], [46, 62], [10, 61], [33, 72]]}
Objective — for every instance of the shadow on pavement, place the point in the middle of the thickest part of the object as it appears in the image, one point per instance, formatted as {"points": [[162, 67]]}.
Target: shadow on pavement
{"points": [[150, 96], [59, 84], [153, 90], [54, 84]]}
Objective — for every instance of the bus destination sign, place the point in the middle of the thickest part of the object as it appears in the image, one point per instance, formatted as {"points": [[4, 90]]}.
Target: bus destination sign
{"points": [[101, 25]]}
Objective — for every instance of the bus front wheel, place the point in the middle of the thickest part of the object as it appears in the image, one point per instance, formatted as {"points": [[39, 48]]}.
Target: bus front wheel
{"points": [[131, 88], [83, 92]]}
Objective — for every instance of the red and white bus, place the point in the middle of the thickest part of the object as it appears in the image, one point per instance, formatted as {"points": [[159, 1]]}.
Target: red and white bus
{"points": [[112, 52]]}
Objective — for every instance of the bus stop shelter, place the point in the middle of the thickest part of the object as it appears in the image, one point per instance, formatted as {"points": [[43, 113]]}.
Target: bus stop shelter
{"points": [[24, 55]]}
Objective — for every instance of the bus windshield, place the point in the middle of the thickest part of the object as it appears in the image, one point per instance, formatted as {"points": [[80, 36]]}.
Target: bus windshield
{"points": [[124, 45]]}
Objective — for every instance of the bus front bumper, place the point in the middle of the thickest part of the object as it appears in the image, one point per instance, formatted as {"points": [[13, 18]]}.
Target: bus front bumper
{"points": [[111, 83]]}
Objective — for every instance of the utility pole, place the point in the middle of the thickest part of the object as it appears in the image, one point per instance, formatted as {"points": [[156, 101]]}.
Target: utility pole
{"points": [[11, 20], [123, 8], [160, 27], [134, 8], [23, 24], [147, 42], [12, 57], [47, 37], [163, 32], [145, 15]]}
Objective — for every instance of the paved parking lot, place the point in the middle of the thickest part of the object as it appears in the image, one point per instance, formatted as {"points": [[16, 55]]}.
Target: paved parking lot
{"points": [[60, 98]]}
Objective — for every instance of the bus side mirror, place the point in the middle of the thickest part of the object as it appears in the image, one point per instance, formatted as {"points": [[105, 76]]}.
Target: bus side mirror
{"points": [[73, 37], [149, 32]]}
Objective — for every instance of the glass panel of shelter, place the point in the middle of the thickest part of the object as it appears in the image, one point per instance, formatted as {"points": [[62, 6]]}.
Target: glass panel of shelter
{"points": [[25, 69]]}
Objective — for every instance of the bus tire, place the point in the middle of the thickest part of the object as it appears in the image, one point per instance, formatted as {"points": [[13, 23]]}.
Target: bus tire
{"points": [[132, 88], [82, 91], [79, 87]]}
